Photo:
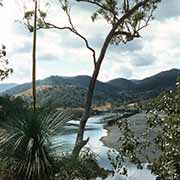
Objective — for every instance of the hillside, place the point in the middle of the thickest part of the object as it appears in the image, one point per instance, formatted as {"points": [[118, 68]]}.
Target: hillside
{"points": [[62, 96], [71, 91], [162, 80], [138, 90], [6, 86], [79, 81], [122, 84]]}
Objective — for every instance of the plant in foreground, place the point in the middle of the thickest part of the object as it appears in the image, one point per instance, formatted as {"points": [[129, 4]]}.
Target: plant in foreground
{"points": [[85, 167], [26, 141]]}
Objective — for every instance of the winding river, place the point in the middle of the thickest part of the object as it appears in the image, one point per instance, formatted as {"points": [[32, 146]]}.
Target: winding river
{"points": [[95, 131]]}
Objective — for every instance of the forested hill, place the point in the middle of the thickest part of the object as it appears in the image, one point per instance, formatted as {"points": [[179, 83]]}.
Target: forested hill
{"points": [[6, 86], [163, 80], [115, 90], [79, 81]]}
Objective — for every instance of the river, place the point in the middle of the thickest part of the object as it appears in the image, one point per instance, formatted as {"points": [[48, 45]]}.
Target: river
{"points": [[95, 131]]}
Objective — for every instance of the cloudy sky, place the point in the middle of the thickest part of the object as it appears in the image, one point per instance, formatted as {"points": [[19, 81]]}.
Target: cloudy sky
{"points": [[62, 53]]}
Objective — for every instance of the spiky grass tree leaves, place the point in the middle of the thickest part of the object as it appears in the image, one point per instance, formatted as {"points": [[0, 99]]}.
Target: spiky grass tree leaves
{"points": [[27, 141]]}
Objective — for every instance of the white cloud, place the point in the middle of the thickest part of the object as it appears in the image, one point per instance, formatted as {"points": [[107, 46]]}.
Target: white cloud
{"points": [[158, 50]]}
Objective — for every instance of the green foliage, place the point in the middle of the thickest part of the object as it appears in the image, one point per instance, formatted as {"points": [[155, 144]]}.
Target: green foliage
{"points": [[6, 172], [26, 141], [168, 140], [113, 10], [129, 142], [4, 70], [83, 168], [11, 107], [29, 17], [66, 96]]}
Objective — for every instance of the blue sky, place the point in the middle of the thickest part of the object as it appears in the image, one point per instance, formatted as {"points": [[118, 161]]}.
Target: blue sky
{"points": [[62, 53]]}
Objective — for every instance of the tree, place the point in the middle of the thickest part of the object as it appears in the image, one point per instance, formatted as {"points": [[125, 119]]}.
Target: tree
{"points": [[127, 18], [4, 70]]}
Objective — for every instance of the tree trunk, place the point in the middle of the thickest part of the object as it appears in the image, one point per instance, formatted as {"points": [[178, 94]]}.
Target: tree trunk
{"points": [[80, 143], [34, 57]]}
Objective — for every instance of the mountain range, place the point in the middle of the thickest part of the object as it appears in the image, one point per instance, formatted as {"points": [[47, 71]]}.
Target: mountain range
{"points": [[71, 91], [6, 86]]}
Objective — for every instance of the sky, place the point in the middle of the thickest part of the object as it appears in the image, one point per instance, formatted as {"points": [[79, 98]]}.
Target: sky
{"points": [[62, 53]]}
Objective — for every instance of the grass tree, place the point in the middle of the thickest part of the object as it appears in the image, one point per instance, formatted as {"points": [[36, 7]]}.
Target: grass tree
{"points": [[26, 141], [126, 17]]}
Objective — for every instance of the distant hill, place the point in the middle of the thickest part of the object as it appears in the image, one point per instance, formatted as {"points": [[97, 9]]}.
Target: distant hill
{"points": [[6, 86], [162, 80], [59, 91], [71, 91], [137, 90], [79, 81], [62, 96], [122, 84]]}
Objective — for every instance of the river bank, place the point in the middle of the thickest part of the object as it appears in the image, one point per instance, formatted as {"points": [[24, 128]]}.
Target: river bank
{"points": [[95, 130], [138, 123]]}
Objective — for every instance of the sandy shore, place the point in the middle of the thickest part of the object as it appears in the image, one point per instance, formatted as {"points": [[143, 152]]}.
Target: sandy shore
{"points": [[138, 123]]}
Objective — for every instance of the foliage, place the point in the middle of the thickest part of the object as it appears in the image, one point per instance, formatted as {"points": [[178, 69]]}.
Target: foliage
{"points": [[113, 10], [83, 168], [168, 140], [128, 150], [26, 141], [4, 70], [28, 18], [66, 96], [11, 107], [128, 141], [6, 172]]}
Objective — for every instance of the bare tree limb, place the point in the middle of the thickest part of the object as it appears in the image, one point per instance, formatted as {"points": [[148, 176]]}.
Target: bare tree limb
{"points": [[67, 11], [52, 26]]}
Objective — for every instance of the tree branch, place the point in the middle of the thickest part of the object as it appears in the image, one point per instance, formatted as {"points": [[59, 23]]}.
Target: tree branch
{"points": [[114, 28], [52, 26], [101, 6], [73, 29]]}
